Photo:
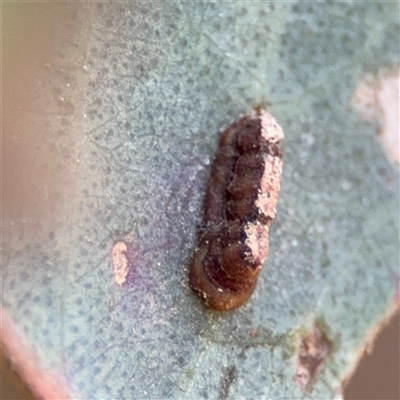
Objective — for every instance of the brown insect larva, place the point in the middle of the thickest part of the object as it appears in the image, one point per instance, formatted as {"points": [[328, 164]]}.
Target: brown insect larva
{"points": [[239, 207]]}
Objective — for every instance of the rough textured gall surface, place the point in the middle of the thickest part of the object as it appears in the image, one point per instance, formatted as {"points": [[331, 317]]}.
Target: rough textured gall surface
{"points": [[239, 207]]}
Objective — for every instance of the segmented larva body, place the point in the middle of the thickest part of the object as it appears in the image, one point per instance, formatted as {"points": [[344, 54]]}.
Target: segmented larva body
{"points": [[239, 207]]}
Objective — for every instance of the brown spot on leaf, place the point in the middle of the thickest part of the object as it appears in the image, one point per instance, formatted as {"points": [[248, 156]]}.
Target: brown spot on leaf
{"points": [[254, 333], [120, 262], [312, 354]]}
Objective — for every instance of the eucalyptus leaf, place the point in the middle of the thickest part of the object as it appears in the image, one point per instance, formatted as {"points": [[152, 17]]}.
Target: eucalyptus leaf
{"points": [[154, 83]]}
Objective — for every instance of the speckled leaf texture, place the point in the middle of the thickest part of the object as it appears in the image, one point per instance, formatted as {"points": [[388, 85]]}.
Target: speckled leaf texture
{"points": [[154, 84]]}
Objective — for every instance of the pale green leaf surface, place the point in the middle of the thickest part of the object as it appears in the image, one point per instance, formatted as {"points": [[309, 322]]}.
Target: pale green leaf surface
{"points": [[157, 82]]}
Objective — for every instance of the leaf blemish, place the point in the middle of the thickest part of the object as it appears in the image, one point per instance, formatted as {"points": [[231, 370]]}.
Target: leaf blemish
{"points": [[313, 352], [227, 378], [120, 262]]}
